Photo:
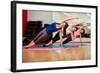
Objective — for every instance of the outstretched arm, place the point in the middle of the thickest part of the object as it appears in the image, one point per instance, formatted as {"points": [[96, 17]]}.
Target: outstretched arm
{"points": [[60, 35], [72, 36], [69, 19], [77, 25]]}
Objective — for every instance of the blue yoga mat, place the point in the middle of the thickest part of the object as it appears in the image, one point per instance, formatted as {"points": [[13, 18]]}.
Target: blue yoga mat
{"points": [[58, 46]]}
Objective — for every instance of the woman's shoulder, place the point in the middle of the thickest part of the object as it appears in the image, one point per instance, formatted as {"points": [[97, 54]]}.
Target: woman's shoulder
{"points": [[53, 23], [68, 31]]}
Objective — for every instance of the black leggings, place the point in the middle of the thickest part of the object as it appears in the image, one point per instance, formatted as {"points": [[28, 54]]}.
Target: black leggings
{"points": [[56, 38], [43, 37]]}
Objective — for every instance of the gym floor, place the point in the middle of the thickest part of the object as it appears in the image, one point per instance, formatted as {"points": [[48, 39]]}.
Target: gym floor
{"points": [[83, 52]]}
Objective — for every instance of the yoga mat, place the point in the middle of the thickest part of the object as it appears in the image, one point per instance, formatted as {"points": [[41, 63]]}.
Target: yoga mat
{"points": [[58, 46], [53, 47]]}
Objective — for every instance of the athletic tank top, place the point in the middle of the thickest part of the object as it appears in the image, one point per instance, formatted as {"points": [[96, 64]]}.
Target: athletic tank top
{"points": [[52, 28]]}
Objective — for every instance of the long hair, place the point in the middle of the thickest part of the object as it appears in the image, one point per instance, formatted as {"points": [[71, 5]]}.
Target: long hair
{"points": [[64, 30], [83, 33]]}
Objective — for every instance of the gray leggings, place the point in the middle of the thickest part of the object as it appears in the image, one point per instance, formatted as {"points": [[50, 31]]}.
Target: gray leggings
{"points": [[43, 37]]}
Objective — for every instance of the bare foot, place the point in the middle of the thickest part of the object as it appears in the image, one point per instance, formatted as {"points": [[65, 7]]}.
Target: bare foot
{"points": [[30, 45], [25, 47], [50, 43]]}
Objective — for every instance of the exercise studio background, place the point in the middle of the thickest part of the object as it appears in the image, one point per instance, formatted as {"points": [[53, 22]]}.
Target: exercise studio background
{"points": [[33, 21]]}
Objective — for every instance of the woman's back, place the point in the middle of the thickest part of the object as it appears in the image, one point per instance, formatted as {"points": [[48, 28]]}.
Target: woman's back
{"points": [[52, 27]]}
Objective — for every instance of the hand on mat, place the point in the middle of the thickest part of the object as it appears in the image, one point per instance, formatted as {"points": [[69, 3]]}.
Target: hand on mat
{"points": [[61, 44]]}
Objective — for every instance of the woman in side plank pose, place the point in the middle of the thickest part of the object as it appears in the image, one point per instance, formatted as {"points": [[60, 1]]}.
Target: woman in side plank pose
{"points": [[76, 32], [44, 36]]}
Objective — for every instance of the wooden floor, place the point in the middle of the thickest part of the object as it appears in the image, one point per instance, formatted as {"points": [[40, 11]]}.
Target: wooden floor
{"points": [[81, 53]]}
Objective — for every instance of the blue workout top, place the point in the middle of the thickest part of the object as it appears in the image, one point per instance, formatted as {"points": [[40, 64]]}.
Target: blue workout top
{"points": [[52, 28]]}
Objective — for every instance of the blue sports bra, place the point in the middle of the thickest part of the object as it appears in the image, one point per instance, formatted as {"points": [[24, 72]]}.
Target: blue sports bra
{"points": [[52, 28]]}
